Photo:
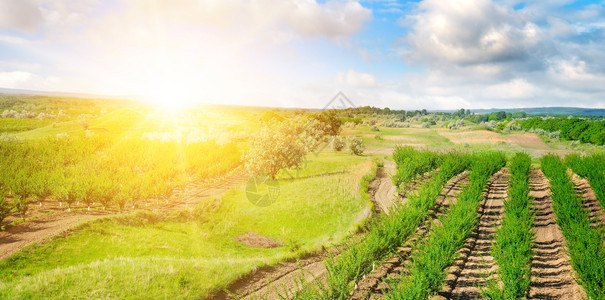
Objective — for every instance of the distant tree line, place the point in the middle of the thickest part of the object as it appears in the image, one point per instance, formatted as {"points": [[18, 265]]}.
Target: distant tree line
{"points": [[574, 129]]}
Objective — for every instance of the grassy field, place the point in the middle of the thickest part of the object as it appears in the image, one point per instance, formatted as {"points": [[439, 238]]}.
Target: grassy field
{"points": [[194, 254]]}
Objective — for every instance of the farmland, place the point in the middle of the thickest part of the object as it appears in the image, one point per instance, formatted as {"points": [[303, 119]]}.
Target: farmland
{"points": [[114, 199]]}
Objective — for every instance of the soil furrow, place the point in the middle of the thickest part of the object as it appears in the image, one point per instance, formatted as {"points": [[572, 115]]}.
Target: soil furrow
{"points": [[476, 264], [373, 285], [591, 204], [552, 274]]}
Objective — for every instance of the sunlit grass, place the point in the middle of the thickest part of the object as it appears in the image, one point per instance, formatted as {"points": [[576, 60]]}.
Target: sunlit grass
{"points": [[158, 256]]}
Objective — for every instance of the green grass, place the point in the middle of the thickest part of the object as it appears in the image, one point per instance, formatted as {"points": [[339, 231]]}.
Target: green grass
{"points": [[384, 235], [10, 125], [514, 239], [401, 136], [427, 270], [585, 243], [191, 254]]}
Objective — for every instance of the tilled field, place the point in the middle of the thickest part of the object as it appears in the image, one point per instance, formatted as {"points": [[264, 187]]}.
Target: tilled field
{"points": [[373, 285], [551, 275]]}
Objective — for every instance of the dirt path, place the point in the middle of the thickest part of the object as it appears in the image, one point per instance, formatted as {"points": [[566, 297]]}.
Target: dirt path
{"points": [[552, 275], [469, 272], [44, 227], [373, 285], [591, 204], [384, 190]]}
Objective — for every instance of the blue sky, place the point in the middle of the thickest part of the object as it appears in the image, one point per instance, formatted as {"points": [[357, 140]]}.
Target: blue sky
{"points": [[299, 53]]}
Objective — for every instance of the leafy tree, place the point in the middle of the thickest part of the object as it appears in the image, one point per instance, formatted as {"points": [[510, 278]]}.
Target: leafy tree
{"points": [[274, 148]]}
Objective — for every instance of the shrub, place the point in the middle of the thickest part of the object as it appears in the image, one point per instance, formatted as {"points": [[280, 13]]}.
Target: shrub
{"points": [[426, 124], [374, 128], [338, 143], [356, 145]]}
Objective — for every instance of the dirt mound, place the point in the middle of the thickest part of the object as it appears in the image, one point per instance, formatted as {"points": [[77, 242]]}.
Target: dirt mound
{"points": [[252, 239]]}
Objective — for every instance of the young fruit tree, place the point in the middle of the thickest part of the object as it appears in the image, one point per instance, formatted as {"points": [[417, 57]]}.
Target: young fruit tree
{"points": [[276, 147], [21, 189], [5, 208]]}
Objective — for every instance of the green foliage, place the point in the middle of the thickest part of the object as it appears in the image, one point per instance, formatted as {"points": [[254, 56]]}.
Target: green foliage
{"points": [[411, 163], [91, 169], [585, 243], [514, 239], [574, 129], [591, 168], [426, 273]]}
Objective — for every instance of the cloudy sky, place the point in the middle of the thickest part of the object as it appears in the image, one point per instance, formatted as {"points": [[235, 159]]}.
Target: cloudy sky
{"points": [[431, 54]]}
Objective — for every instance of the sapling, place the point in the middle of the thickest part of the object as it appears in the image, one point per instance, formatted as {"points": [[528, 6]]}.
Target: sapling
{"points": [[21, 190], [5, 209]]}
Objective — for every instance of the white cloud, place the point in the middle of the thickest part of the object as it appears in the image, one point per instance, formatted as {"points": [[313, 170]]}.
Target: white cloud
{"points": [[357, 80], [463, 32], [515, 89], [333, 18]]}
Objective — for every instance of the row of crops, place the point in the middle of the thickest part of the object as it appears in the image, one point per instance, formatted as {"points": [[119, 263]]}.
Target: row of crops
{"points": [[585, 242], [513, 244], [107, 170]]}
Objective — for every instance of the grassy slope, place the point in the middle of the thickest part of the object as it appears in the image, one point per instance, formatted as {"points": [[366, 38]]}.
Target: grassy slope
{"points": [[117, 121], [192, 257]]}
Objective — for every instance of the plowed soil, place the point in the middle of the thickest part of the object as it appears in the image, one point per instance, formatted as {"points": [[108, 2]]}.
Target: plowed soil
{"points": [[373, 285], [41, 228], [475, 264], [552, 274]]}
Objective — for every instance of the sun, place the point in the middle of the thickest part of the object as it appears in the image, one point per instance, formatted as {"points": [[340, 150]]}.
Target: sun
{"points": [[170, 91]]}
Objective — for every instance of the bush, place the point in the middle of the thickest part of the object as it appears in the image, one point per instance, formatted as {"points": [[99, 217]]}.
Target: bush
{"points": [[356, 145], [378, 137], [374, 128], [338, 143], [455, 125], [395, 124], [426, 124], [555, 134]]}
